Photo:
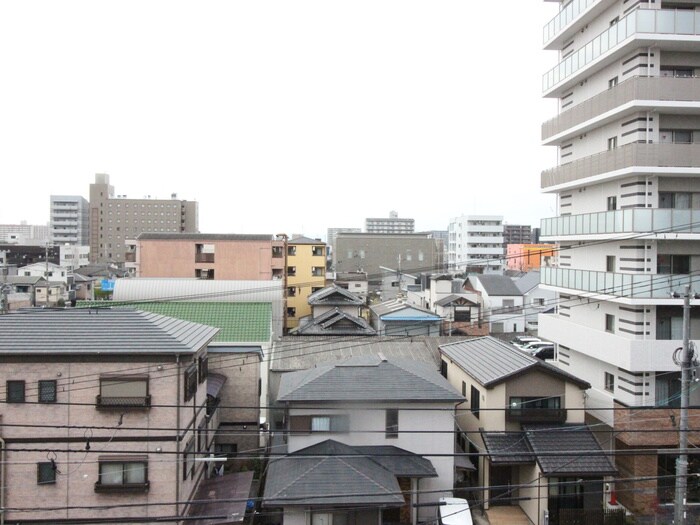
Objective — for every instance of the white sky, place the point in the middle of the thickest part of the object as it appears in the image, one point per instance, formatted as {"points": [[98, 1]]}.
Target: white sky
{"points": [[278, 116]]}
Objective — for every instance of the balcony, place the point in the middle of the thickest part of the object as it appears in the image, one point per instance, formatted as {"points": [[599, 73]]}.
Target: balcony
{"points": [[644, 91], [633, 158], [654, 23], [204, 258], [559, 29], [130, 257], [622, 285], [632, 220], [536, 415]]}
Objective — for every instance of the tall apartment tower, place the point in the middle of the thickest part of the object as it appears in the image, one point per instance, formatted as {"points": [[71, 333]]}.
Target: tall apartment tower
{"points": [[475, 244], [69, 220], [114, 220], [628, 192], [517, 233], [391, 224]]}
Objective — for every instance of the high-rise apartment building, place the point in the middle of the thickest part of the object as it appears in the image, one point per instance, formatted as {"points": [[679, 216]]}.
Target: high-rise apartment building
{"points": [[114, 220], [69, 220], [475, 243], [517, 234], [23, 233], [628, 192], [391, 224]]}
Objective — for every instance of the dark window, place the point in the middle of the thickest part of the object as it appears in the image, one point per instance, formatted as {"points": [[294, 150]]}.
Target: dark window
{"points": [[612, 203], [291, 250], [673, 264], [230, 450], [15, 391], [291, 270], [392, 423], [291, 311], [609, 323], [47, 391], [188, 460], [476, 397], [202, 437], [609, 382], [317, 251], [203, 368], [309, 424], [463, 314], [46, 473], [123, 392], [610, 263], [443, 369], [291, 291], [464, 389], [190, 382]]}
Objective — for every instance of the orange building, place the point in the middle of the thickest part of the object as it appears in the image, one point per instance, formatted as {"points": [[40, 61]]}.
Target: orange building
{"points": [[526, 257]]}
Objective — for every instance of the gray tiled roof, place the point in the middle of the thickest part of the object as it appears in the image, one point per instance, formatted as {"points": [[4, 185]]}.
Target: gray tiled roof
{"points": [[206, 236], [508, 449], [491, 361], [305, 240], [580, 452], [395, 305], [88, 331], [23, 279], [452, 298], [336, 322], [369, 378], [329, 473], [498, 285], [528, 281], [334, 295], [400, 462]]}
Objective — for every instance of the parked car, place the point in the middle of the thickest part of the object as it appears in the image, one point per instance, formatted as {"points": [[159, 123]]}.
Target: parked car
{"points": [[523, 340], [535, 345], [545, 352], [454, 511]]}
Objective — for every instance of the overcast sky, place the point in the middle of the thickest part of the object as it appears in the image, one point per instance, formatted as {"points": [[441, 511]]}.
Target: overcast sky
{"points": [[278, 116]]}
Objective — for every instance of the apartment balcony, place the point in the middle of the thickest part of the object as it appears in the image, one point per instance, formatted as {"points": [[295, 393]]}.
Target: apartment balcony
{"points": [[635, 355], [566, 22], [640, 28], [204, 258], [631, 96], [654, 221], [536, 415], [624, 286], [635, 158], [130, 257]]}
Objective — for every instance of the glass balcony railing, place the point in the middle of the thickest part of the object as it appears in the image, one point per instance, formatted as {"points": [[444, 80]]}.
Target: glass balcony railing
{"points": [[633, 220], [624, 157], [632, 286], [637, 88], [564, 17], [649, 21]]}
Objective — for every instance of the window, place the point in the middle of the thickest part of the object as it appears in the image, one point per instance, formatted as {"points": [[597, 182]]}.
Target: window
{"points": [[202, 444], [476, 396], [508, 303], [230, 450], [612, 82], [443, 369], [392, 423], [291, 311], [46, 473], [47, 391], [309, 424], [119, 473], [463, 314], [15, 391], [614, 20], [277, 251], [464, 389], [318, 271], [682, 136], [609, 382], [291, 291], [188, 460], [317, 251], [673, 264], [612, 203], [609, 323], [123, 392], [203, 369], [612, 143], [610, 263], [535, 408], [291, 270], [190, 382], [291, 250]]}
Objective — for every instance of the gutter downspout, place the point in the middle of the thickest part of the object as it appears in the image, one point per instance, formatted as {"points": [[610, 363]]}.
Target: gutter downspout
{"points": [[2, 481], [177, 441]]}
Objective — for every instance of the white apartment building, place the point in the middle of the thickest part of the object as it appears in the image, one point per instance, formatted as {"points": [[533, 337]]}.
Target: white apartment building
{"points": [[70, 216], [628, 192], [475, 243], [391, 224]]}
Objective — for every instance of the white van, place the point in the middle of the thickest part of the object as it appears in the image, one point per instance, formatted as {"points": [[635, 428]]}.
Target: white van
{"points": [[454, 511]]}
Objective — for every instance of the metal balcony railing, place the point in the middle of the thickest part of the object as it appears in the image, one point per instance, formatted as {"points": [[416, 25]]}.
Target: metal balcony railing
{"points": [[564, 17], [536, 415], [123, 402]]}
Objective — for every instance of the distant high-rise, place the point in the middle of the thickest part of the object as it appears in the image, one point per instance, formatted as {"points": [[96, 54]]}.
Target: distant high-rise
{"points": [[391, 224], [69, 220], [114, 220], [517, 234], [23, 233], [476, 243]]}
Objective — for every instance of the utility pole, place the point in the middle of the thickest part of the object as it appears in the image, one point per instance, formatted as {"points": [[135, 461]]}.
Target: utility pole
{"points": [[682, 462]]}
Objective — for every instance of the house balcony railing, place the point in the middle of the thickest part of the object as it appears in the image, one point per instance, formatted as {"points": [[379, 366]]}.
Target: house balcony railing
{"points": [[632, 220], [627, 156], [628, 285], [564, 17], [107, 403], [640, 21], [130, 257], [636, 88], [536, 415], [204, 258]]}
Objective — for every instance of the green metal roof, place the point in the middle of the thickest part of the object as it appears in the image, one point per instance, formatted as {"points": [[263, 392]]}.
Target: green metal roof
{"points": [[238, 322]]}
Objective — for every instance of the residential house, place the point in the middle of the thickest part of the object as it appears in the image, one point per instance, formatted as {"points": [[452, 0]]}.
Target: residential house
{"points": [[519, 411], [20, 284], [305, 274], [84, 287], [356, 447], [398, 317], [355, 282], [335, 311], [503, 302], [105, 415], [48, 270]]}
